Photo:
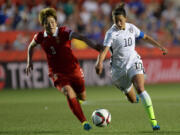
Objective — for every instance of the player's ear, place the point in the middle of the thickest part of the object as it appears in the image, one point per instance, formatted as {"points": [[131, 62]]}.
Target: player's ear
{"points": [[125, 19]]}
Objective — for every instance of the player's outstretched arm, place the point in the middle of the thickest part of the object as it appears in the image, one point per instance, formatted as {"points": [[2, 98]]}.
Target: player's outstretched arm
{"points": [[100, 59], [150, 40], [29, 66], [90, 43]]}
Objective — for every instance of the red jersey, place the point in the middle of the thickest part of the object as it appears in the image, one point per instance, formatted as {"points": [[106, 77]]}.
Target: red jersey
{"points": [[58, 50]]}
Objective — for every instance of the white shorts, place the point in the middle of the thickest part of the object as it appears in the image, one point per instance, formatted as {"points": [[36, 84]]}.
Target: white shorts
{"points": [[124, 82]]}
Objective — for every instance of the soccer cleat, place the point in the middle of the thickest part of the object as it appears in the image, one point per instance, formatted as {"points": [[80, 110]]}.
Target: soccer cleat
{"points": [[137, 98], [157, 127], [86, 126]]}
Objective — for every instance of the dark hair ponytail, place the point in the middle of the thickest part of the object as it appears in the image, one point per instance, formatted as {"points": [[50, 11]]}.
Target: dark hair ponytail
{"points": [[119, 10]]}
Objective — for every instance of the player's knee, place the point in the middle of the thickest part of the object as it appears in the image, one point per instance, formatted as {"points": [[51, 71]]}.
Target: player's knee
{"points": [[68, 91], [64, 91]]}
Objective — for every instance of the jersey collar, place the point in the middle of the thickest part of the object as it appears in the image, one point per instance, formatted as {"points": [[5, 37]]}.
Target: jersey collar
{"points": [[54, 35], [114, 25]]}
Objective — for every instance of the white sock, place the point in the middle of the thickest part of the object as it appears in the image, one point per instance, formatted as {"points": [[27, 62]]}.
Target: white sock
{"points": [[146, 100]]}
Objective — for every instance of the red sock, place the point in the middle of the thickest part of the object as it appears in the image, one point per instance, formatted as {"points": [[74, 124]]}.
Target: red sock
{"points": [[76, 109]]}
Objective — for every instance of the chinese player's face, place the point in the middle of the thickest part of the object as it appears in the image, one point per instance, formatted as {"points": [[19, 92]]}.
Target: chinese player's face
{"points": [[120, 21], [50, 25]]}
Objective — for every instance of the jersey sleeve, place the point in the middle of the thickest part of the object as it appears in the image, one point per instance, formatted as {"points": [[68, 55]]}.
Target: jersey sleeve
{"points": [[138, 34], [38, 38], [67, 32], [108, 39]]}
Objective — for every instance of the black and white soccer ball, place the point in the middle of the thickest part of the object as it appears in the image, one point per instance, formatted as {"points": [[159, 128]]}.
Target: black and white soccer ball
{"points": [[101, 117]]}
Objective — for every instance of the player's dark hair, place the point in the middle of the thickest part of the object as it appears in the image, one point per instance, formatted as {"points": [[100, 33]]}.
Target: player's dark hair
{"points": [[119, 10], [45, 13]]}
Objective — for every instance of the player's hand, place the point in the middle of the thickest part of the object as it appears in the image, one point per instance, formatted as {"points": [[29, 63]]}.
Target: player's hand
{"points": [[29, 68], [99, 68], [164, 50]]}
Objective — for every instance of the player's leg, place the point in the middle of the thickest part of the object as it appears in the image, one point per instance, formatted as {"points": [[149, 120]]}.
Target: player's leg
{"points": [[138, 82], [78, 84], [73, 102], [74, 105], [131, 95], [81, 97], [126, 86], [61, 82]]}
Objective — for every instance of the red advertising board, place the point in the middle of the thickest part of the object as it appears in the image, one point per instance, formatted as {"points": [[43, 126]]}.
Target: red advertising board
{"points": [[161, 70]]}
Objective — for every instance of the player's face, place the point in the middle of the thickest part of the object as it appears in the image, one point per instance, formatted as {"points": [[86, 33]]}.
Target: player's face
{"points": [[120, 21], [50, 25]]}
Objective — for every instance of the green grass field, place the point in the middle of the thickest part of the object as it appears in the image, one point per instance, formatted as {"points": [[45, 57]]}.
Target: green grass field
{"points": [[45, 112]]}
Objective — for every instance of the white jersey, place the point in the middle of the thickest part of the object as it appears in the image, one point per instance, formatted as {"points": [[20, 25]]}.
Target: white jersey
{"points": [[125, 61], [122, 46]]}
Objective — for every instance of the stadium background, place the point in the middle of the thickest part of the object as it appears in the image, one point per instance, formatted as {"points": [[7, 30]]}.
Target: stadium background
{"points": [[31, 106], [19, 22]]}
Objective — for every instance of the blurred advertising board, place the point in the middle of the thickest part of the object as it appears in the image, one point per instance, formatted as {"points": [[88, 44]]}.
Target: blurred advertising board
{"points": [[161, 70], [12, 74], [15, 76]]}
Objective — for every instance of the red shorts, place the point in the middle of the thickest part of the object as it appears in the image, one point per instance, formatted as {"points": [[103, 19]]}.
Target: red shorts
{"points": [[75, 80]]}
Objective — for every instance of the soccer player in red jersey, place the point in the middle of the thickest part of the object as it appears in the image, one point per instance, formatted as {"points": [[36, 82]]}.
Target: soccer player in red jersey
{"points": [[63, 66]]}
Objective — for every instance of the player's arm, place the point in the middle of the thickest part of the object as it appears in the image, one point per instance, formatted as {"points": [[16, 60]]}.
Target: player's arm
{"points": [[29, 66], [90, 43], [100, 59], [150, 40]]}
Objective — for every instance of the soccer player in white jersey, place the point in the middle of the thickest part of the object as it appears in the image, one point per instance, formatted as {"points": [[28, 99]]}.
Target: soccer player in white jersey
{"points": [[126, 64]]}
